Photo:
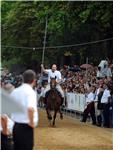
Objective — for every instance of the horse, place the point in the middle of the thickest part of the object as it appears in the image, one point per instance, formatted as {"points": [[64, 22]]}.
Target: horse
{"points": [[53, 102]]}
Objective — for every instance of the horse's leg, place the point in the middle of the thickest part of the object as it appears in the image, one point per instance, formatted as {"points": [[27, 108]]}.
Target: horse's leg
{"points": [[54, 117], [61, 114], [49, 115]]}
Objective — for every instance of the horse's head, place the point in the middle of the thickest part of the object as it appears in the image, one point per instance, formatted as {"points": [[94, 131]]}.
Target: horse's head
{"points": [[53, 83]]}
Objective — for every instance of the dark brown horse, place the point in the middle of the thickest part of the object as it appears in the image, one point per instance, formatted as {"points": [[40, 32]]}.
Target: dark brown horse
{"points": [[53, 102]]}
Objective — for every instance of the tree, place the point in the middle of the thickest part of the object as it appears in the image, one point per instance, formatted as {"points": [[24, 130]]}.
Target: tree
{"points": [[23, 25]]}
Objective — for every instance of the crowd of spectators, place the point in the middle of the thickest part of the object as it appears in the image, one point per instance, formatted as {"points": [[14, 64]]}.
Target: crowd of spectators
{"points": [[74, 79], [79, 80], [96, 82]]}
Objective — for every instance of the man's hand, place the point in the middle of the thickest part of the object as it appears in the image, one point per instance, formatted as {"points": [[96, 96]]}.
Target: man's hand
{"points": [[42, 66], [43, 69], [31, 124], [58, 81]]}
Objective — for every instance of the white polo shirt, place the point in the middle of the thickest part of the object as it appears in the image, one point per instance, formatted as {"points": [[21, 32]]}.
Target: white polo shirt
{"points": [[90, 97], [105, 96], [54, 74], [26, 97]]}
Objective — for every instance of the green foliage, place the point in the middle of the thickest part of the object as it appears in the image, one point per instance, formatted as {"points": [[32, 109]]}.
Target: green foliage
{"points": [[23, 25], [10, 62]]}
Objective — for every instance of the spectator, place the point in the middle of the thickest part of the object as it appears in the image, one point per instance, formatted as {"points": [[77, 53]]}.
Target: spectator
{"points": [[27, 120], [105, 100], [6, 124], [99, 74], [90, 106], [6, 132]]}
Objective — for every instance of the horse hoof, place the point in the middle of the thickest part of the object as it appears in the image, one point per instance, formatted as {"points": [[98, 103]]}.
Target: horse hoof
{"points": [[49, 118], [61, 117], [50, 123], [54, 126]]}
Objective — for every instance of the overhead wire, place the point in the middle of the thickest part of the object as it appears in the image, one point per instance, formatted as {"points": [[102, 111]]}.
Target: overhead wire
{"points": [[59, 46]]}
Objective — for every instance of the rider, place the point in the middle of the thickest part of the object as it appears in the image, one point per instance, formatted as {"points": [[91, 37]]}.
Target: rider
{"points": [[53, 73]]}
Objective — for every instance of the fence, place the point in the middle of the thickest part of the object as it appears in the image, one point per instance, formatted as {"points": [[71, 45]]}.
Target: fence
{"points": [[75, 102]]}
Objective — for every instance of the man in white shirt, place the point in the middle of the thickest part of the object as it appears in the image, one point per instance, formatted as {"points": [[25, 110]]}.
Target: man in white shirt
{"points": [[90, 106], [7, 124], [105, 96], [53, 73], [105, 100], [25, 121], [98, 110]]}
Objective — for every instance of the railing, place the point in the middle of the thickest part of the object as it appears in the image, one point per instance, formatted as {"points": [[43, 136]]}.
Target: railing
{"points": [[75, 102]]}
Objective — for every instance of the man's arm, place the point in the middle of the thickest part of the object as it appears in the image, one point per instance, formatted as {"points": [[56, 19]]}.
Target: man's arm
{"points": [[31, 117], [4, 124], [43, 69], [59, 78]]}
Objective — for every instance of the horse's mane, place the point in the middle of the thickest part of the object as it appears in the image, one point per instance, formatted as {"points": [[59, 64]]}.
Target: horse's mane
{"points": [[53, 92]]}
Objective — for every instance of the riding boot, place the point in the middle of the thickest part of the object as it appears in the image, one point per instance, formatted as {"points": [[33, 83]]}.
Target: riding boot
{"points": [[62, 98], [44, 101], [62, 105]]}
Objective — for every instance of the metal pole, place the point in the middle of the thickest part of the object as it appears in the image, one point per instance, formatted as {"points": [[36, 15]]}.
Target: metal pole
{"points": [[44, 42], [44, 45], [86, 69]]}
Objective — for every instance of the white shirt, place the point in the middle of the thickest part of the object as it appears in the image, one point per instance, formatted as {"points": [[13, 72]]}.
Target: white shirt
{"points": [[90, 97], [26, 96], [96, 96], [54, 74], [105, 96]]}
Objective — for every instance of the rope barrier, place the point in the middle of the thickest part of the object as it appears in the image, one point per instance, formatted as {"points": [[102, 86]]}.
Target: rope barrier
{"points": [[60, 46]]}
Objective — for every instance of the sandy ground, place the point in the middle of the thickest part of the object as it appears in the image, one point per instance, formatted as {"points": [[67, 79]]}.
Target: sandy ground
{"points": [[70, 134]]}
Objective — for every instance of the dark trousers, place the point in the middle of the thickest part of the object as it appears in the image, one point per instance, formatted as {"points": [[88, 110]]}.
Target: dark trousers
{"points": [[99, 120], [90, 109], [6, 142], [23, 137], [106, 115]]}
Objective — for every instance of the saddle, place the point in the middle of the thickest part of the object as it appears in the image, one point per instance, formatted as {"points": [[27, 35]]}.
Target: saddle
{"points": [[47, 93]]}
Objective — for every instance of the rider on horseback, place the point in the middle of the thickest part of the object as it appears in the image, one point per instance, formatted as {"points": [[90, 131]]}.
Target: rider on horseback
{"points": [[53, 73]]}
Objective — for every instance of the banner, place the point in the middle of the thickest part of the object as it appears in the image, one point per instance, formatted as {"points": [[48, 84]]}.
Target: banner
{"points": [[82, 102], [71, 101], [75, 102]]}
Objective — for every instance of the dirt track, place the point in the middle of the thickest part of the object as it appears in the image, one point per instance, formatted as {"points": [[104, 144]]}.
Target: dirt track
{"points": [[70, 134]]}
